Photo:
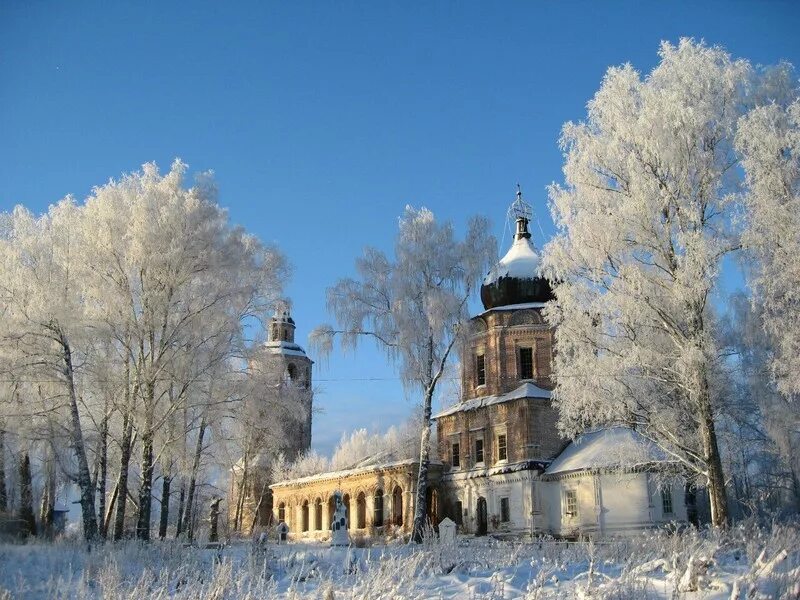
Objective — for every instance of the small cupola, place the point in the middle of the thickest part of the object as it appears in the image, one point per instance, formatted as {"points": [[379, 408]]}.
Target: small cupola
{"points": [[281, 327], [516, 278]]}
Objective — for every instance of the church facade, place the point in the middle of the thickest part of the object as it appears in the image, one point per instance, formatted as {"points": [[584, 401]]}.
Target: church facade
{"points": [[502, 467]]}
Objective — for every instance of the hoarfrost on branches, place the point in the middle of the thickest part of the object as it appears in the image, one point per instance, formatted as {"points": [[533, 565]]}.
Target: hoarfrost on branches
{"points": [[412, 307], [645, 221]]}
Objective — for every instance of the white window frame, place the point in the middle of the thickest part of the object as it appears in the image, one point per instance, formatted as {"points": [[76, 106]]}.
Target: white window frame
{"points": [[666, 497], [497, 437], [565, 503], [454, 454]]}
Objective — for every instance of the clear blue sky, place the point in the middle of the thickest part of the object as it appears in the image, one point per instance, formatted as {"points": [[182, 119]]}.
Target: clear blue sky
{"points": [[322, 120]]}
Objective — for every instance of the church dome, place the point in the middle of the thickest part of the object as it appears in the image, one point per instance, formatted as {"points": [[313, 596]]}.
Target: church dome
{"points": [[515, 279]]}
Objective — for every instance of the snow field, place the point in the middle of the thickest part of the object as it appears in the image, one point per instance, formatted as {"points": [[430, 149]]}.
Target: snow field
{"points": [[745, 562]]}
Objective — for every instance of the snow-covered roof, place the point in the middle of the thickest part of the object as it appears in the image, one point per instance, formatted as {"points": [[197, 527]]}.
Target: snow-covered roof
{"points": [[285, 348], [522, 261], [526, 390], [612, 448], [328, 475]]}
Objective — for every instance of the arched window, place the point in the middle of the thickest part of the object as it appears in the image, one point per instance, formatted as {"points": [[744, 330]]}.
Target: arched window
{"points": [[397, 506], [305, 516], [361, 511], [282, 512], [292, 372], [318, 514], [377, 518]]}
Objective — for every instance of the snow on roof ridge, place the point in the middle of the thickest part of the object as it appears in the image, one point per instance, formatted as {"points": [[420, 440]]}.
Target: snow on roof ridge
{"points": [[526, 390], [345, 472], [616, 447]]}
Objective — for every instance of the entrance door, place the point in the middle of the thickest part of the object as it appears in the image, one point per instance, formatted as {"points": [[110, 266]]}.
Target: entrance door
{"points": [[483, 521]]}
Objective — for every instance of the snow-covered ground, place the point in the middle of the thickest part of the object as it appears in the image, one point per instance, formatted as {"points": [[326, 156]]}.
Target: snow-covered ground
{"points": [[744, 563]]}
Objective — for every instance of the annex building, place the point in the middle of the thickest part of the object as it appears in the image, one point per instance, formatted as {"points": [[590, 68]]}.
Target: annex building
{"points": [[502, 468]]}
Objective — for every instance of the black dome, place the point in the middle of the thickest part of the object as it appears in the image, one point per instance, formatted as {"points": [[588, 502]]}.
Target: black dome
{"points": [[515, 279]]}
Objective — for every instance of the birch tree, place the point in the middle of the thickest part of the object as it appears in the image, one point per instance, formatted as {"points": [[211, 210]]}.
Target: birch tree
{"points": [[412, 308], [644, 223], [171, 277], [769, 139], [44, 321]]}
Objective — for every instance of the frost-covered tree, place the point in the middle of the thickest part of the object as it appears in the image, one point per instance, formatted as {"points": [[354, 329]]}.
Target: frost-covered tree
{"points": [[170, 278], [644, 223], [769, 139], [412, 307], [44, 330]]}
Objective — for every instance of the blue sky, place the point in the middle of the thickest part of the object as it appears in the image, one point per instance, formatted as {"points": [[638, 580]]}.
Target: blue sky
{"points": [[323, 120]]}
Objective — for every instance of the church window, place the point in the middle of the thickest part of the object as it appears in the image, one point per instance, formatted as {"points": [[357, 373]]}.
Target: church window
{"points": [[458, 513], [505, 512], [480, 369], [304, 516], [502, 447], [281, 512], [377, 519], [571, 503], [292, 372], [526, 363], [455, 458], [666, 500], [285, 335], [478, 451]]}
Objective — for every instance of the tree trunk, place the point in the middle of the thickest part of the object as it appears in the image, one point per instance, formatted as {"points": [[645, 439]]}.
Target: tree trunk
{"points": [[122, 481], [213, 519], [126, 447], [145, 488], [26, 496], [237, 518], [187, 520], [48, 504], [3, 490], [103, 475], [164, 517], [110, 509], [76, 434], [712, 458], [181, 498], [146, 485], [420, 504]]}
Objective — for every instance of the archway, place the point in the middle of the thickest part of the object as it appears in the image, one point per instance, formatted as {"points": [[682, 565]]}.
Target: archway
{"points": [[304, 516], [346, 502], [432, 506], [377, 502], [318, 514], [361, 511], [483, 521], [397, 506], [331, 509]]}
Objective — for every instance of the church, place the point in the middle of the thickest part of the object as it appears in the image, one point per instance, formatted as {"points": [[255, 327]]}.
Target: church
{"points": [[502, 468]]}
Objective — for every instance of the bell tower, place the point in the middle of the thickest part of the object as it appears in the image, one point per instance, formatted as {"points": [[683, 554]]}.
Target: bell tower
{"points": [[298, 365]]}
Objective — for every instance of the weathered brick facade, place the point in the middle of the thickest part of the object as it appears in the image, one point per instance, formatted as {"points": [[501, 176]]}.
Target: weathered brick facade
{"points": [[529, 424]]}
